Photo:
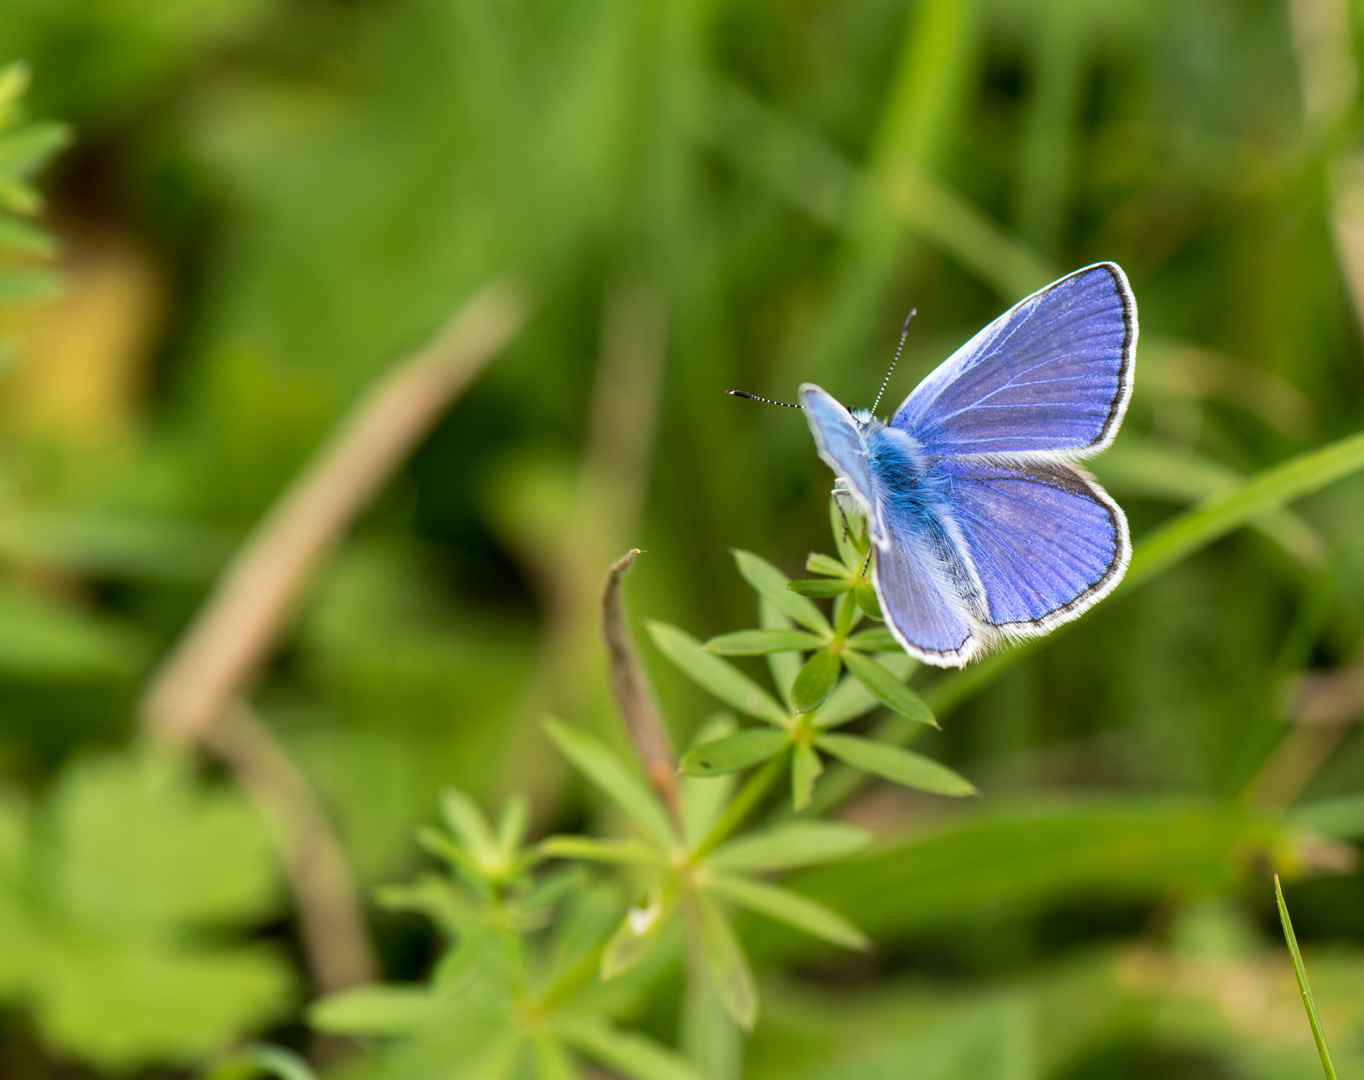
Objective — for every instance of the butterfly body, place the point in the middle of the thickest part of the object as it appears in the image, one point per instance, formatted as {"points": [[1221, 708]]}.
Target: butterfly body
{"points": [[983, 526]]}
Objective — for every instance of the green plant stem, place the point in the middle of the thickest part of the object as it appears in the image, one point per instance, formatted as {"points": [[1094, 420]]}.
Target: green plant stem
{"points": [[579, 975], [1301, 972], [741, 806]]}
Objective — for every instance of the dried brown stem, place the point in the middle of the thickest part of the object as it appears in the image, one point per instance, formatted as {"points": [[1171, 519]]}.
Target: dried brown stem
{"points": [[631, 688], [330, 918], [242, 619]]}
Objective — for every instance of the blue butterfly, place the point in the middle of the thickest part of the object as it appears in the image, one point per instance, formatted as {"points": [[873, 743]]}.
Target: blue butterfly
{"points": [[983, 527]]}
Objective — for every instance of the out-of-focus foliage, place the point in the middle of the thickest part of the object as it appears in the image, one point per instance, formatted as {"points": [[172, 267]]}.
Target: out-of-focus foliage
{"points": [[267, 202]]}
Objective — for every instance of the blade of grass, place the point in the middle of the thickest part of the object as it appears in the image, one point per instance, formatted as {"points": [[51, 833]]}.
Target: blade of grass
{"points": [[1318, 1035]]}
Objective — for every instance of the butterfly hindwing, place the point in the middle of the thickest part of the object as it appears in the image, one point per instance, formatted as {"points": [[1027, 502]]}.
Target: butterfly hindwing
{"points": [[1050, 377], [1046, 542]]}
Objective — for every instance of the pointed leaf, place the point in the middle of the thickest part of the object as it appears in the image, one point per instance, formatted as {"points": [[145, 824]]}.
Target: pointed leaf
{"points": [[627, 1053], [467, 822], [877, 639], [639, 931], [805, 769], [1304, 988], [789, 907], [893, 763], [762, 642], [869, 602], [823, 564], [704, 798], [590, 849], [513, 824], [782, 665], [734, 753], [820, 587], [726, 962], [770, 583], [552, 1060], [786, 847], [889, 690], [615, 780], [816, 680], [718, 676], [377, 1010]]}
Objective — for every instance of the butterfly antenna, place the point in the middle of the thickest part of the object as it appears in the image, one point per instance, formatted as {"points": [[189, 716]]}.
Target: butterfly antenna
{"points": [[765, 401], [895, 359]]}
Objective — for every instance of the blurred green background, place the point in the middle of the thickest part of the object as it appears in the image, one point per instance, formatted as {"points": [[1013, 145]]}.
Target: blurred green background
{"points": [[267, 203]]}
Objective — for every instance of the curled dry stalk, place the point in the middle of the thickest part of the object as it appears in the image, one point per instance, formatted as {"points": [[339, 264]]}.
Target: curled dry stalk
{"points": [[195, 698], [630, 686]]}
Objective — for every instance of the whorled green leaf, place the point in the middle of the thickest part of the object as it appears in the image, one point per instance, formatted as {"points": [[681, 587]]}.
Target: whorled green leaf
{"points": [[552, 1059], [787, 847], [805, 769], [726, 963], [889, 690], [770, 583], [627, 1054], [721, 678], [378, 1010], [895, 764], [704, 798], [829, 567], [467, 822], [762, 642], [877, 639], [868, 601], [638, 933], [789, 907], [820, 588], [815, 680], [734, 753], [782, 665], [590, 849], [600, 765], [513, 825]]}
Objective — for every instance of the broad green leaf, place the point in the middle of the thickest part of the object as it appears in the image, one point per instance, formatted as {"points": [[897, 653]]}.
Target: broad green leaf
{"points": [[787, 847], [726, 962], [378, 1010], [734, 753], [889, 690], [877, 639], [718, 676], [638, 933], [788, 907], [1022, 859], [761, 642], [625, 1053], [823, 564], [805, 769], [770, 583], [820, 588], [590, 849], [611, 775], [1304, 988], [816, 680], [893, 763], [139, 845]]}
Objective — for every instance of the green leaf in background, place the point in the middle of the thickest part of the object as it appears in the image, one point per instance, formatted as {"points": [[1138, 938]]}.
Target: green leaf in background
{"points": [[704, 798], [816, 680], [771, 584], [638, 934], [889, 690], [790, 908], [625, 1053], [895, 764], [132, 864], [734, 753], [711, 673], [805, 769], [590, 849], [877, 639], [1304, 988], [726, 962], [616, 781], [762, 642], [787, 847], [378, 1010]]}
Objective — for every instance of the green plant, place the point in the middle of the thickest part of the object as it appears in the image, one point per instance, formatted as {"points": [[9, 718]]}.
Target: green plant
{"points": [[25, 147]]}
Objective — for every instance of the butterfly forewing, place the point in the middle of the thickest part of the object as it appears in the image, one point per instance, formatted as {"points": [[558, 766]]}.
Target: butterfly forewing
{"points": [[1050, 377]]}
